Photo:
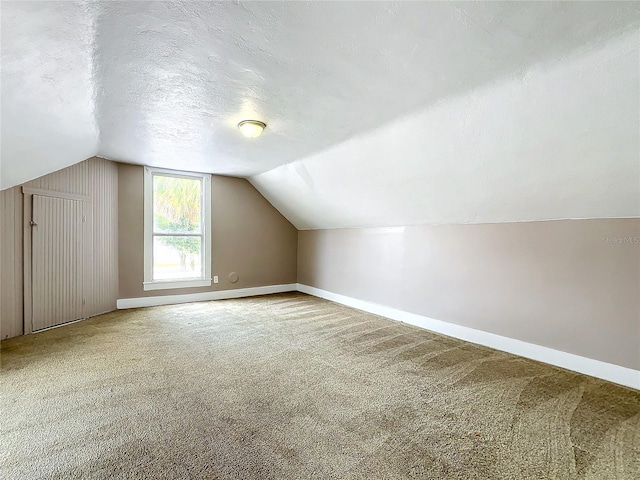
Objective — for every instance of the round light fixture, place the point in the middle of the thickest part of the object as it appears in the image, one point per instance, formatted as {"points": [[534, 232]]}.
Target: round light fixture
{"points": [[251, 128]]}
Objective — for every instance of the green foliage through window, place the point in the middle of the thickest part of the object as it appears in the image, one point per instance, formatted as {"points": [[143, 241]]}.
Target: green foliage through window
{"points": [[177, 210]]}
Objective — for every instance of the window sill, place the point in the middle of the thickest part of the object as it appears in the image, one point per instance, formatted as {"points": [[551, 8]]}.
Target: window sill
{"points": [[176, 284]]}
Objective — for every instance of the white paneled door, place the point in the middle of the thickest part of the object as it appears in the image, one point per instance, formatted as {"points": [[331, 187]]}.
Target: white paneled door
{"points": [[57, 261]]}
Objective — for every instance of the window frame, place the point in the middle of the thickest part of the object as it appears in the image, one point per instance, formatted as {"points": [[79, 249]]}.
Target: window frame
{"points": [[205, 198]]}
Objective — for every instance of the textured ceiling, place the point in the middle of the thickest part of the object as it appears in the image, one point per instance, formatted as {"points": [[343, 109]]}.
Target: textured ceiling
{"points": [[46, 88], [165, 83], [561, 141]]}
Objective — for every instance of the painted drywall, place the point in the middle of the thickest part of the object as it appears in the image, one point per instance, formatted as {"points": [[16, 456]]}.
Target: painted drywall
{"points": [[570, 285], [165, 83], [96, 178], [249, 237], [560, 141]]}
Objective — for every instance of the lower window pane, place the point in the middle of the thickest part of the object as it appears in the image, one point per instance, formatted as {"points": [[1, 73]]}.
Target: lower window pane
{"points": [[177, 257]]}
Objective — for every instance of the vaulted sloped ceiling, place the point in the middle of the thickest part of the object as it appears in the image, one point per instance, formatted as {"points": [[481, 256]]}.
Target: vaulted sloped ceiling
{"points": [[560, 141], [378, 113], [47, 88]]}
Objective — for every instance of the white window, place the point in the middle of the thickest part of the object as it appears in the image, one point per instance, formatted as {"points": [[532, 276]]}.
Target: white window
{"points": [[177, 229]]}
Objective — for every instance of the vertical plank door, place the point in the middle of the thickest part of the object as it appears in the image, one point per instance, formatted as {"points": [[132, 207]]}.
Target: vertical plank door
{"points": [[57, 253]]}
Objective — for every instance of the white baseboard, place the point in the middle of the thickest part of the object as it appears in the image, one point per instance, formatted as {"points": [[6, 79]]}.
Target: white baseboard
{"points": [[202, 297], [595, 368]]}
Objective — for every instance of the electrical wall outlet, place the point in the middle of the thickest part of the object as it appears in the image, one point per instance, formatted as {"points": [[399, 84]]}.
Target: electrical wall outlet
{"points": [[215, 279]]}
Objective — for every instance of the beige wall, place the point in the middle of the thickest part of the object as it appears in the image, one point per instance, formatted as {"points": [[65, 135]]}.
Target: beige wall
{"points": [[568, 285], [249, 237], [11, 314], [98, 179]]}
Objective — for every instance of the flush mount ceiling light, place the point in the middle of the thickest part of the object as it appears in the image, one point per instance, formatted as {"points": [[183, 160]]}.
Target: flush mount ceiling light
{"points": [[251, 128]]}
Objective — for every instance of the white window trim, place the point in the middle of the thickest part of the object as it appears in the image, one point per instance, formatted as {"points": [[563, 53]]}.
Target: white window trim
{"points": [[205, 281]]}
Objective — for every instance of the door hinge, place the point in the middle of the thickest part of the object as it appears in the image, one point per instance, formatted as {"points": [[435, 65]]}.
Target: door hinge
{"points": [[84, 301], [84, 218]]}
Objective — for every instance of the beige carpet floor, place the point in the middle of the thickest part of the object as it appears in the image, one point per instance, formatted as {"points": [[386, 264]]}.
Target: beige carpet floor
{"points": [[293, 387]]}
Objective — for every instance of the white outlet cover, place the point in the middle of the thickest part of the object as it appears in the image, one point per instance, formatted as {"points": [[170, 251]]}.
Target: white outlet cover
{"points": [[215, 279]]}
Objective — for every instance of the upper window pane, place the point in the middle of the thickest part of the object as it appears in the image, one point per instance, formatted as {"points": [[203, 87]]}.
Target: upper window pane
{"points": [[176, 204]]}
